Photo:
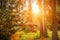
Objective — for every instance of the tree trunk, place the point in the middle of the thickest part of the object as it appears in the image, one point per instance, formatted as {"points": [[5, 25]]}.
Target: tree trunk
{"points": [[54, 21], [42, 18], [54, 34]]}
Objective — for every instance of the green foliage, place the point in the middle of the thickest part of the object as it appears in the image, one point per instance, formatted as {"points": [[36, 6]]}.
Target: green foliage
{"points": [[27, 29], [58, 8], [58, 27], [7, 28], [4, 35], [30, 36]]}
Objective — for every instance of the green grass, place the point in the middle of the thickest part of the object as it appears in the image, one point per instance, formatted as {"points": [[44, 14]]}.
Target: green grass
{"points": [[35, 35], [50, 35], [30, 35], [59, 34]]}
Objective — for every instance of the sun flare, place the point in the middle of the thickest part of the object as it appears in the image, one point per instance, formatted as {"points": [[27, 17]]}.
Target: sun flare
{"points": [[35, 8]]}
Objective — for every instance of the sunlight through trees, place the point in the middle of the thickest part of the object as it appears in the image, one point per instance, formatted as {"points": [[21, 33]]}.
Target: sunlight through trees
{"points": [[29, 20]]}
